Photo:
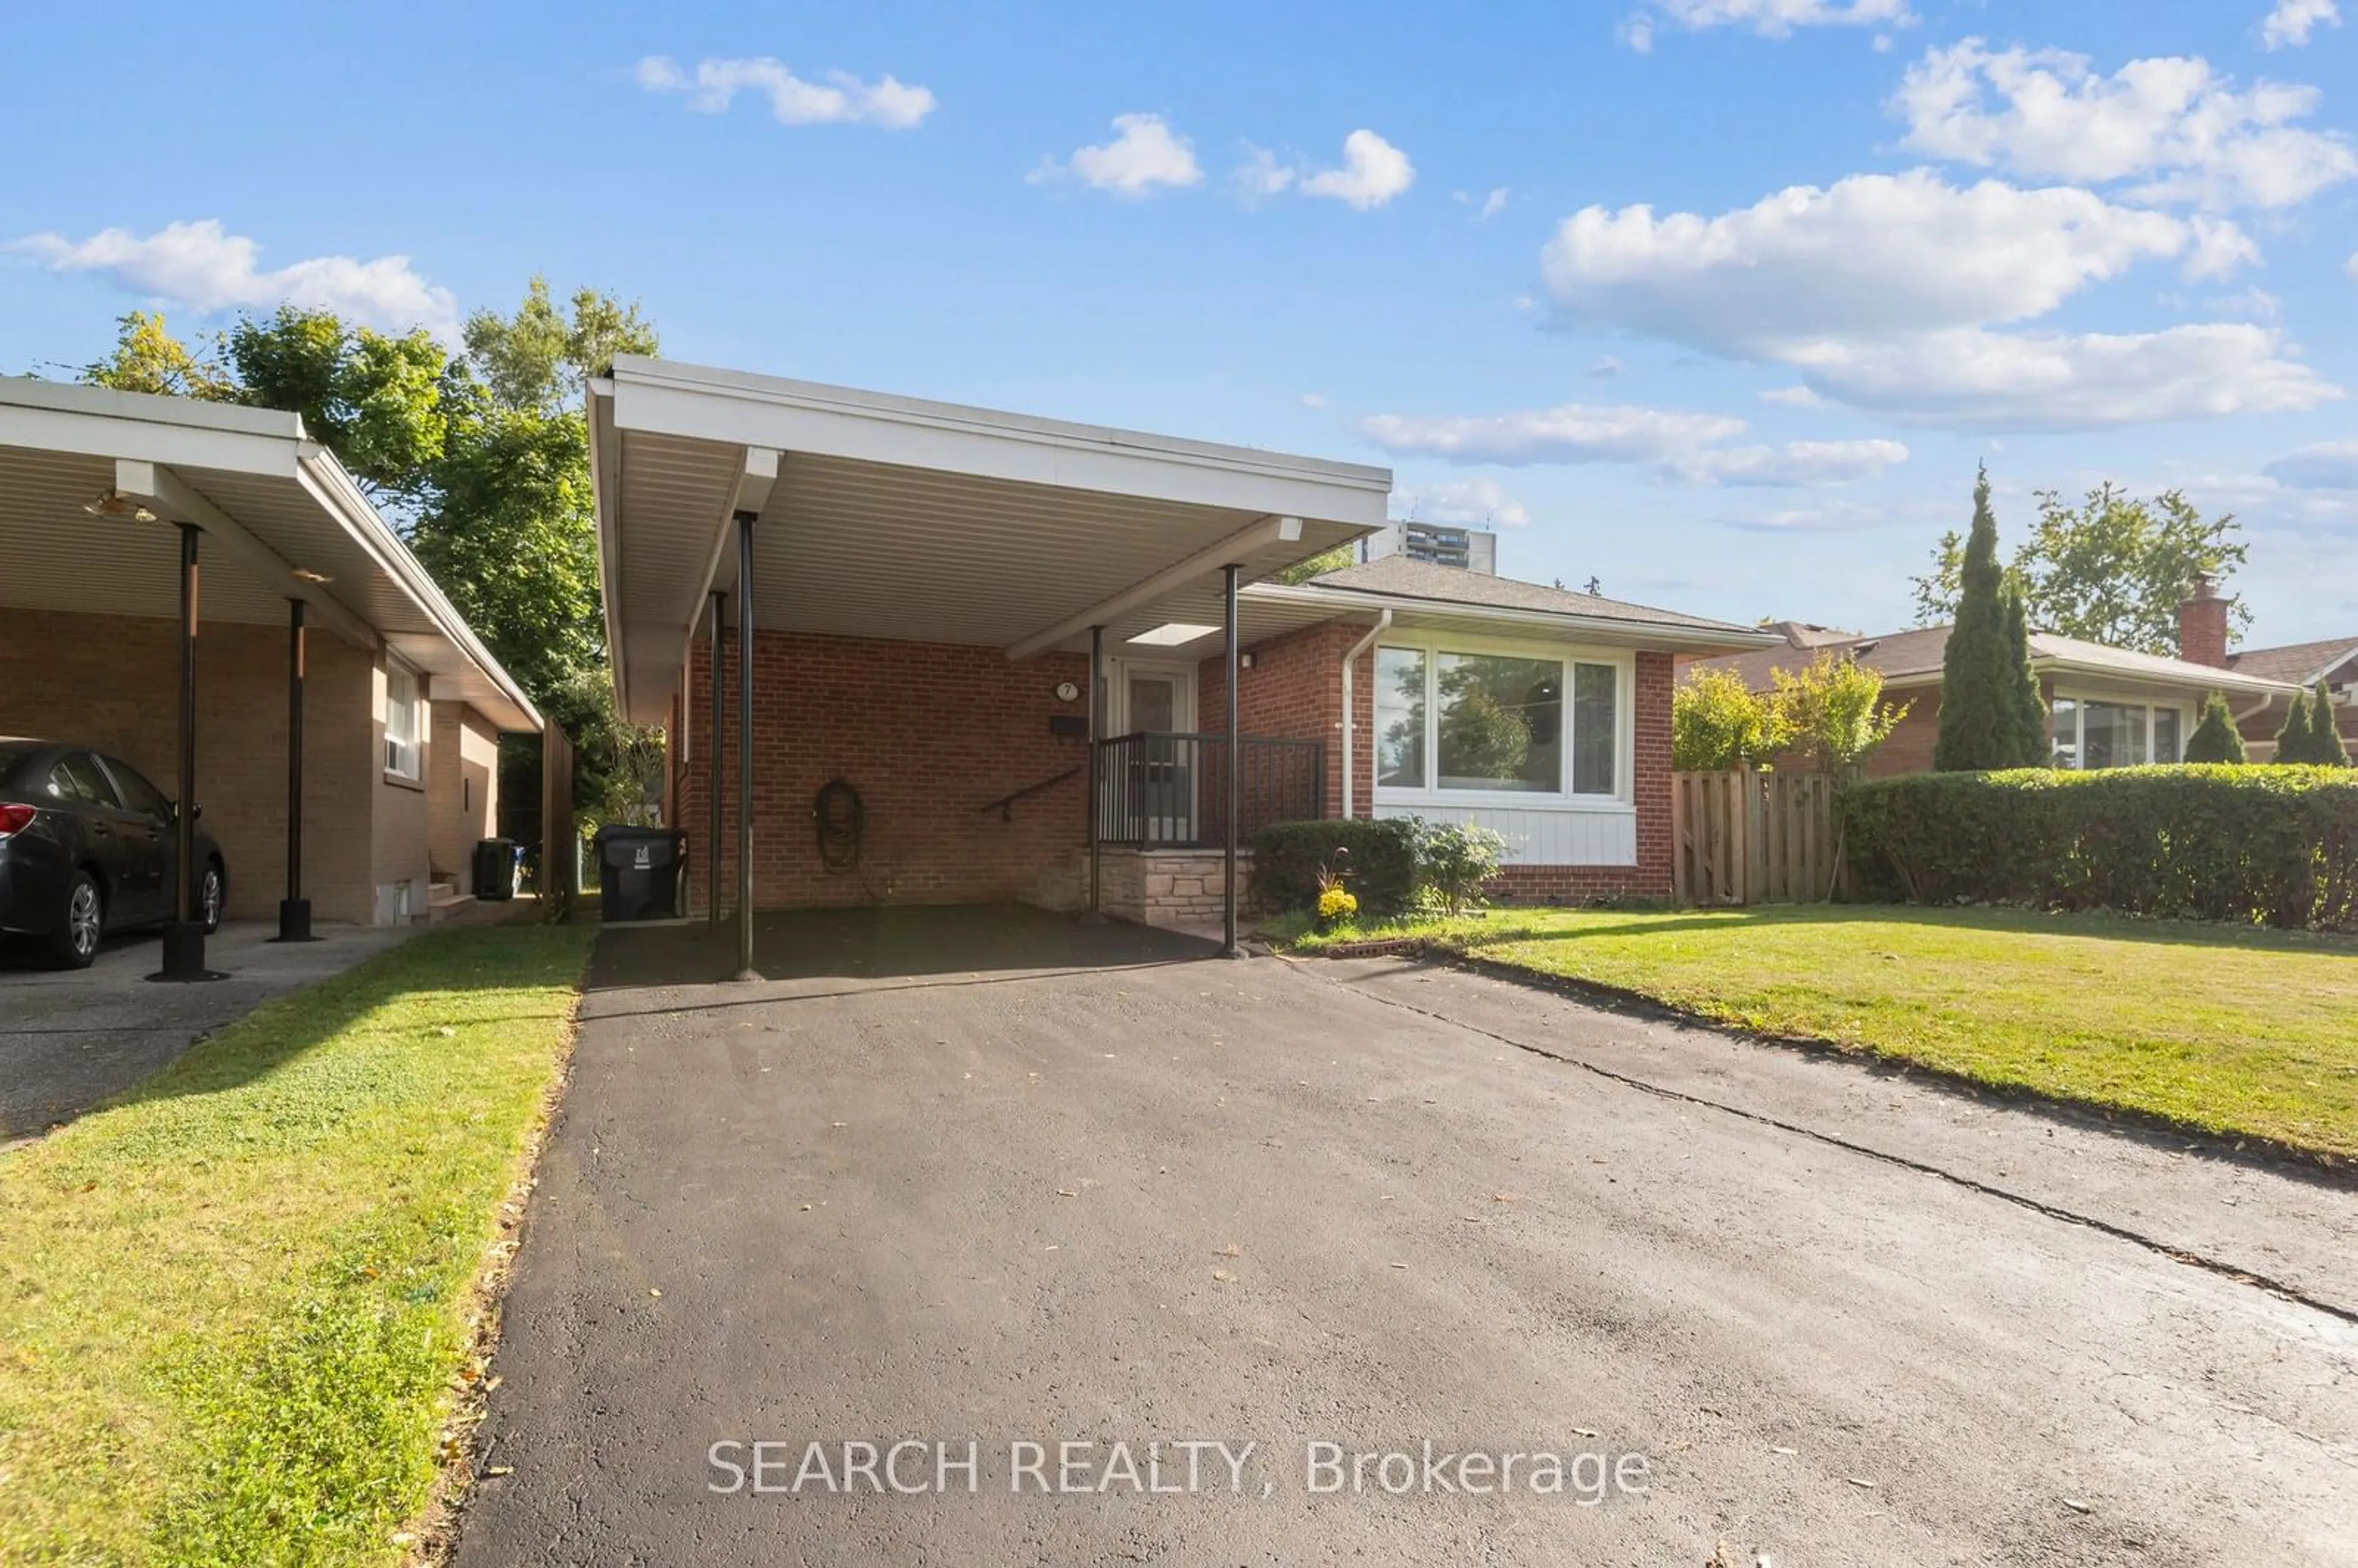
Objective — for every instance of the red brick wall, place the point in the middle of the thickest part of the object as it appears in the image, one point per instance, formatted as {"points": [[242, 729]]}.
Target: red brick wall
{"points": [[927, 732], [1294, 690]]}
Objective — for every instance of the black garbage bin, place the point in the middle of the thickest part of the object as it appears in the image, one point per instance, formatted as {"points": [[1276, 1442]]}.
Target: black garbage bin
{"points": [[494, 871], [639, 872]]}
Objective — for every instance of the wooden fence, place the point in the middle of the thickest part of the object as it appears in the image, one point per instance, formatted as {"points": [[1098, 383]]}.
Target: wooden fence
{"points": [[1748, 837]]}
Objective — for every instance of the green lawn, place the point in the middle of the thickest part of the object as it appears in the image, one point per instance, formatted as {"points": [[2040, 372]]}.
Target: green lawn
{"points": [[2247, 1033], [235, 1305]]}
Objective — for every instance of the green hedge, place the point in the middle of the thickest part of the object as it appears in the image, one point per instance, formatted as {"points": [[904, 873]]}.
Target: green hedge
{"points": [[2273, 846], [1377, 859]]}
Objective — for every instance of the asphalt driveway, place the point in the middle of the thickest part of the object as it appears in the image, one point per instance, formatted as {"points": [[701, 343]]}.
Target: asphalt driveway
{"points": [[990, 1177]]}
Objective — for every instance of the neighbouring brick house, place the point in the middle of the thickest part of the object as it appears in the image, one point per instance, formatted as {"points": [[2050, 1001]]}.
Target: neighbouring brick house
{"points": [[933, 586], [2333, 661], [402, 705], [2106, 707]]}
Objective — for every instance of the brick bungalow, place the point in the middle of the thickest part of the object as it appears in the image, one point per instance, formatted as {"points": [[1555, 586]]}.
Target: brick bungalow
{"points": [[960, 618], [2333, 661], [2107, 706], [302, 589]]}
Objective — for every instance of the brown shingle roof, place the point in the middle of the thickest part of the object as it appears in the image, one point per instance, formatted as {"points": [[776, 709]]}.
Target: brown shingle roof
{"points": [[1407, 579], [2298, 661], [1919, 652]]}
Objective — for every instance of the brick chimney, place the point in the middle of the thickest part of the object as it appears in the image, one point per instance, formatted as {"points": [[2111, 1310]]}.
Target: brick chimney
{"points": [[2203, 627]]}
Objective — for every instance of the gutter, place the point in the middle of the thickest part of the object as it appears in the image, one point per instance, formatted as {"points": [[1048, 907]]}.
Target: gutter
{"points": [[1383, 623], [1607, 629]]}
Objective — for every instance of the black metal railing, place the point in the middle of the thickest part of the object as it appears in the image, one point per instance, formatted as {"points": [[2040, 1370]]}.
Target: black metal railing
{"points": [[1005, 804], [1159, 788]]}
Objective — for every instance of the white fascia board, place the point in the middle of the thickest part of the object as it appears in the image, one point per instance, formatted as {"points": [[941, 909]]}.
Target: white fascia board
{"points": [[168, 443], [339, 494], [606, 501], [2196, 679], [734, 408], [1595, 628]]}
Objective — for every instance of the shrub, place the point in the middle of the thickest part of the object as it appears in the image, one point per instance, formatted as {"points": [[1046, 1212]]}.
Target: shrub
{"points": [[1454, 861], [2215, 737], [1376, 859], [2265, 846], [1717, 722], [2325, 743], [2292, 741], [1834, 711]]}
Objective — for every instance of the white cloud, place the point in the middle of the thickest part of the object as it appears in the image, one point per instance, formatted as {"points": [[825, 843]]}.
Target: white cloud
{"points": [[1883, 289], [1463, 503], [1792, 464], [1792, 397], [1769, 18], [2289, 24], [2068, 380], [1680, 447], [1494, 203], [1373, 172], [2170, 122], [1574, 433], [206, 268], [1871, 255], [2218, 248], [842, 99], [1313, 400], [1142, 155], [2327, 465], [1261, 175]]}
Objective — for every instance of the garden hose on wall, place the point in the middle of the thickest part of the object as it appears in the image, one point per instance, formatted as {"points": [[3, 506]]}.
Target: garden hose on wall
{"points": [[840, 821]]}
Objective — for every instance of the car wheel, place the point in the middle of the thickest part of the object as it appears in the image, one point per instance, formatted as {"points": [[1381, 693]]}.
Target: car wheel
{"points": [[210, 893], [75, 942]]}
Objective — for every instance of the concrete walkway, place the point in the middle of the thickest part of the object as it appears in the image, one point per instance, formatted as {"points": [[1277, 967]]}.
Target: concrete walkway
{"points": [[986, 1176], [70, 1038]]}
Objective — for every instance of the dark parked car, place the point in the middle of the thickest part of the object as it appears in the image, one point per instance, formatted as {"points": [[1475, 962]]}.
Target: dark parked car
{"points": [[88, 847]]}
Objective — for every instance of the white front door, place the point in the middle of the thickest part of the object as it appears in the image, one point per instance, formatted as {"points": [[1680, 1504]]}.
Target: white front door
{"points": [[1157, 779]]}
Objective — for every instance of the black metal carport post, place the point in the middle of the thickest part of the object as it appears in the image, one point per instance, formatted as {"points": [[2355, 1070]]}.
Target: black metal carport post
{"points": [[712, 798], [1096, 806], [745, 970], [1228, 949], [293, 910], [184, 938]]}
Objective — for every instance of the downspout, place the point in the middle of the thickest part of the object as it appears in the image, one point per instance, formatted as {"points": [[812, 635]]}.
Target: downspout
{"points": [[1350, 661]]}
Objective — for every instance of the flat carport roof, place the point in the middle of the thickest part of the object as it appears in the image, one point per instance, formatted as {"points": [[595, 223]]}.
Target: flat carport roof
{"points": [[893, 517], [861, 514], [94, 483], [282, 519]]}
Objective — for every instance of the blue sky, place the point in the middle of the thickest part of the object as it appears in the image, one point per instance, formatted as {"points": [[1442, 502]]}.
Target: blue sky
{"points": [[1719, 301]]}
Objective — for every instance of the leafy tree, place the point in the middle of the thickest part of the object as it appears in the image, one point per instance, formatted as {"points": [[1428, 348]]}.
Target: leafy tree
{"points": [[1717, 722], [2325, 743], [148, 358], [2293, 740], [482, 461], [2215, 737], [2112, 570], [1319, 564], [1834, 711], [1983, 713], [377, 402]]}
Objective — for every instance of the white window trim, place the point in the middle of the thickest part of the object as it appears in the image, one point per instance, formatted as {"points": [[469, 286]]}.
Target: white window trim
{"points": [[1622, 802], [2079, 697], [413, 753]]}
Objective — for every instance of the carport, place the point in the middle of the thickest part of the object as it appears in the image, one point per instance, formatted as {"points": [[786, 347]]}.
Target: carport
{"points": [[915, 593], [169, 563]]}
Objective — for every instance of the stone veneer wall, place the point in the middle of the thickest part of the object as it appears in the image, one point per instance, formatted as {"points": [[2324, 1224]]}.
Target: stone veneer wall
{"points": [[1169, 887]]}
